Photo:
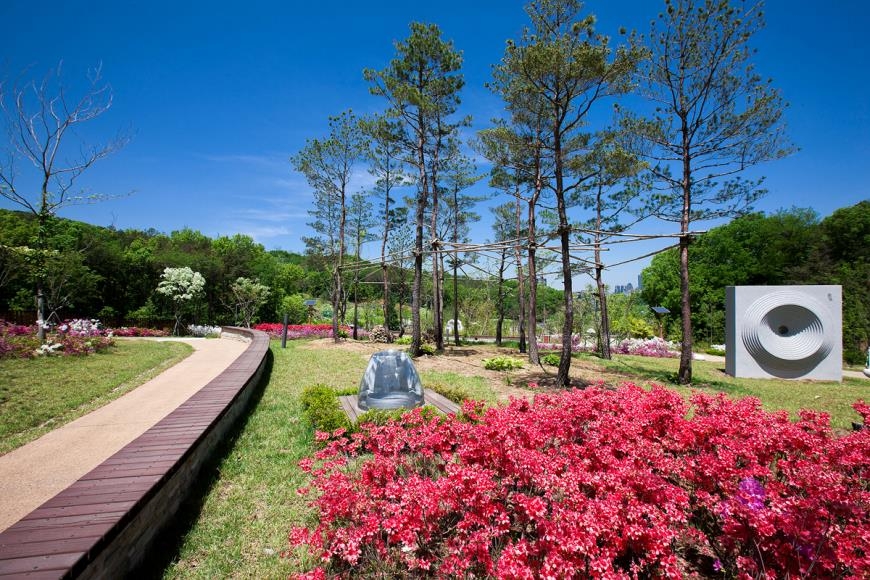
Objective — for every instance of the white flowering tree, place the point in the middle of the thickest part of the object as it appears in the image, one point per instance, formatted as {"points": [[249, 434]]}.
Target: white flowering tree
{"points": [[248, 296], [182, 286]]}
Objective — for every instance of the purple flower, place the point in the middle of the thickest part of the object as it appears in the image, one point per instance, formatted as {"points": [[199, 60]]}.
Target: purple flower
{"points": [[717, 565], [751, 493]]}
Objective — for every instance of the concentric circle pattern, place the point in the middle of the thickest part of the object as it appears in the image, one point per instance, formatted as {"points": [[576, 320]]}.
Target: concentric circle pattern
{"points": [[785, 330]]}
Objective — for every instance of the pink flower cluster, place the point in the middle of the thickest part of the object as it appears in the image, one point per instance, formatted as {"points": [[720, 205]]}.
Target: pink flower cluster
{"points": [[297, 331], [136, 331], [17, 340], [654, 347], [597, 483], [576, 346], [69, 338]]}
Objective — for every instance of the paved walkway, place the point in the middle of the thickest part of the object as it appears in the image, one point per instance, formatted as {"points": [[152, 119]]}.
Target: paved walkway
{"points": [[36, 472], [717, 358]]}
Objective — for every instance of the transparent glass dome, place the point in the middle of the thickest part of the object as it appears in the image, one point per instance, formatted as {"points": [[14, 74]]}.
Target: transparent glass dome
{"points": [[390, 382]]}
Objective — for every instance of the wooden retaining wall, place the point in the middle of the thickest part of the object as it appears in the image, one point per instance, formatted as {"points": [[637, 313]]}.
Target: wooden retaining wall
{"points": [[103, 525]]}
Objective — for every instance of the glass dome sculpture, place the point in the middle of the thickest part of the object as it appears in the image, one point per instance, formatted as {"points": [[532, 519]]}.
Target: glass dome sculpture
{"points": [[390, 382]]}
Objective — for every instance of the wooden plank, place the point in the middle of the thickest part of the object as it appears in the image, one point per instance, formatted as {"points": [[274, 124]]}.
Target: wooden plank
{"points": [[440, 402], [444, 405], [350, 408], [32, 564], [52, 540]]}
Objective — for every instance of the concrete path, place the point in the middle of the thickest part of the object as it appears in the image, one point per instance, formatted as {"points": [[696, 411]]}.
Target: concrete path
{"points": [[717, 358], [36, 472]]}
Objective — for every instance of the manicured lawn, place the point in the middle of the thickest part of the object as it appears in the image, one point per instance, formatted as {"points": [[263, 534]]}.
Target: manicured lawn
{"points": [[246, 515], [833, 398], [242, 525], [38, 395]]}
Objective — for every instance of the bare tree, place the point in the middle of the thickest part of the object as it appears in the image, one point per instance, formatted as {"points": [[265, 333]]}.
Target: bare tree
{"points": [[41, 119]]}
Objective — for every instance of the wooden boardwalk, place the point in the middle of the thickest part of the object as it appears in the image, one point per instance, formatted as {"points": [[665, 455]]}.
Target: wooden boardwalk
{"points": [[103, 524], [430, 397]]}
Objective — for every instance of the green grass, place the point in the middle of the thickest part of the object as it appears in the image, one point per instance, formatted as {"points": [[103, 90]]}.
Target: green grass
{"points": [[830, 397], [240, 528], [41, 394], [245, 517], [477, 388]]}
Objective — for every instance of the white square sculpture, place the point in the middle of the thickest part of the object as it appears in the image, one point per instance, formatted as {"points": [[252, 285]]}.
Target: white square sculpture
{"points": [[787, 332]]}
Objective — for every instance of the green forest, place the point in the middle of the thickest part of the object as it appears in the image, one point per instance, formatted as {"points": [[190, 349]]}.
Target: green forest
{"points": [[569, 189], [790, 246], [113, 275]]}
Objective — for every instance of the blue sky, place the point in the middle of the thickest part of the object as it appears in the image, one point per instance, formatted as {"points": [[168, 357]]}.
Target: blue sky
{"points": [[220, 94]]}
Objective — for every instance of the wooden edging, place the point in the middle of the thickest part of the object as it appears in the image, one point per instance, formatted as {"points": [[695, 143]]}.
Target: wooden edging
{"points": [[103, 525], [443, 404]]}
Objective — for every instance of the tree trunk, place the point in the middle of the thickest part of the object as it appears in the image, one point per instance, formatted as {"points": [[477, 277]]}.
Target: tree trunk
{"points": [[437, 288], [534, 354], [520, 280], [355, 311], [563, 378], [386, 305], [455, 301], [42, 234], [604, 334], [337, 289], [417, 289], [500, 299], [336, 302], [532, 313], [384, 272], [684, 375]]}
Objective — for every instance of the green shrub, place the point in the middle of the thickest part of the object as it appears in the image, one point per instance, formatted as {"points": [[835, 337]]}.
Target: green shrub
{"points": [[502, 363], [715, 351], [551, 359], [403, 340], [380, 416], [322, 409], [854, 356], [427, 349]]}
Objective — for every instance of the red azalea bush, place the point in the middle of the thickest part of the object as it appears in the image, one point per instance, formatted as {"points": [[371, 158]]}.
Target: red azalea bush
{"points": [[296, 331], [596, 483]]}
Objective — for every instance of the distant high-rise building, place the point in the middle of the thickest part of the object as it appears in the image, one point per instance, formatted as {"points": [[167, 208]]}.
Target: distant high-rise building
{"points": [[639, 282]]}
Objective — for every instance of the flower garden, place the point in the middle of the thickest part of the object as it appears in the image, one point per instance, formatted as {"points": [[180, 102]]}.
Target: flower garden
{"points": [[70, 338], [298, 331], [599, 483], [604, 482]]}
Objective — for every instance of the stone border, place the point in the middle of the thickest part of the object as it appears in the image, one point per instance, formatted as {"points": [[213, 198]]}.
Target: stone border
{"points": [[103, 525]]}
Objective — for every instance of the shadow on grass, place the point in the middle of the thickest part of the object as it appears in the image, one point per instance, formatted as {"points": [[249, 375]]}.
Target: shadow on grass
{"points": [[169, 541], [667, 377]]}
